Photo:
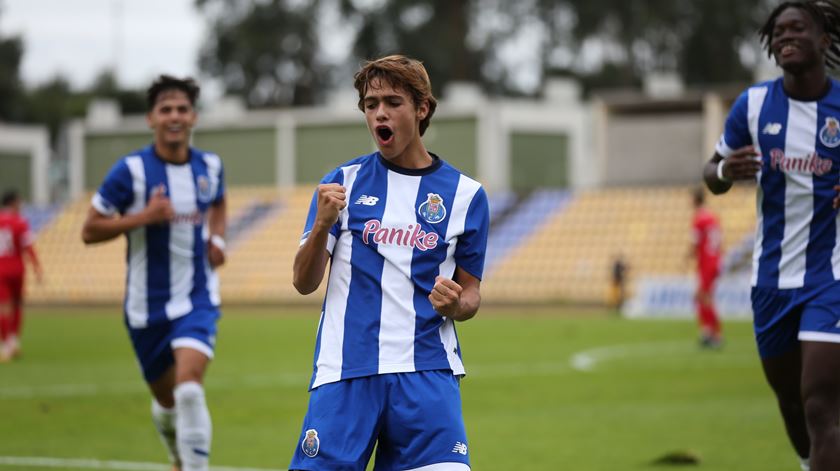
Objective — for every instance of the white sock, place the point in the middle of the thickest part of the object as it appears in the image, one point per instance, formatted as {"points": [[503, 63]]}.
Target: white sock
{"points": [[193, 425], [805, 464], [164, 420]]}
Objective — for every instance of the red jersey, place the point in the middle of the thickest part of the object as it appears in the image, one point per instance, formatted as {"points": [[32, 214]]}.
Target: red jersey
{"points": [[14, 238], [707, 238]]}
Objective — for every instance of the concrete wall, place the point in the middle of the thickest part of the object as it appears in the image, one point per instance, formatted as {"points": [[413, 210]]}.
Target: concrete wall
{"points": [[24, 161], [654, 149], [557, 140]]}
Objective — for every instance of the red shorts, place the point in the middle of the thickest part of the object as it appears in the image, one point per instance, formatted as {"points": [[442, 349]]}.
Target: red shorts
{"points": [[707, 276], [11, 287]]}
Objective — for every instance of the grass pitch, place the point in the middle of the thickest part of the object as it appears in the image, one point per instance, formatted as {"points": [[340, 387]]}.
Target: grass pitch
{"points": [[545, 390]]}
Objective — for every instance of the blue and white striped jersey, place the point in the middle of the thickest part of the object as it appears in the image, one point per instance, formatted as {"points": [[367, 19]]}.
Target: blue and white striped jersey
{"points": [[168, 272], [401, 228], [796, 242]]}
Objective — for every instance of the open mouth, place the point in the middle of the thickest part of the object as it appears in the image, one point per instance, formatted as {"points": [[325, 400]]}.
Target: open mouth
{"points": [[788, 49], [384, 133]]}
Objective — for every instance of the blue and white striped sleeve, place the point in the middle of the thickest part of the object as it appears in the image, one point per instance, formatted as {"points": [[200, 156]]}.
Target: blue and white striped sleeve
{"points": [[115, 194], [736, 132], [472, 244]]}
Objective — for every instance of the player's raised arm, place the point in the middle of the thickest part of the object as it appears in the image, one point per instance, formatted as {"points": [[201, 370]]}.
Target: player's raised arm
{"points": [[311, 259], [217, 223], [99, 227], [457, 300], [720, 172]]}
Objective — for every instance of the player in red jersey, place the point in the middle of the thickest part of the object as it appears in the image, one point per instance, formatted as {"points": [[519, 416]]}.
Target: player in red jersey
{"points": [[706, 248], [15, 241]]}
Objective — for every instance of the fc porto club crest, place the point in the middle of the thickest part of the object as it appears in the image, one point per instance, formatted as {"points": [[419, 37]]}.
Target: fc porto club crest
{"points": [[203, 189], [432, 210], [311, 443], [830, 132]]}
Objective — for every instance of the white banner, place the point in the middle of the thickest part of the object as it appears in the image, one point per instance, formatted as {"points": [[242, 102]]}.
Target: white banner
{"points": [[673, 297]]}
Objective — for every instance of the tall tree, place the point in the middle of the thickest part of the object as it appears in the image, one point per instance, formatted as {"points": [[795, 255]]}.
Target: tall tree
{"points": [[53, 104], [11, 87], [106, 86], [265, 51], [270, 51], [699, 39], [434, 31]]}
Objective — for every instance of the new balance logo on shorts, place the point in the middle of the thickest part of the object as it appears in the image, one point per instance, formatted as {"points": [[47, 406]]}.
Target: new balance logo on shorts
{"points": [[367, 200], [460, 448]]}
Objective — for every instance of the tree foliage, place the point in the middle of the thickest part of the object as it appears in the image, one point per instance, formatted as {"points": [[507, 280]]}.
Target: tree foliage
{"points": [[11, 87], [699, 39], [264, 51], [269, 50], [435, 31]]}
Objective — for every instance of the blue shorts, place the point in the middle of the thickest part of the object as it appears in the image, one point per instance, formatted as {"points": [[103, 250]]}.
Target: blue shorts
{"points": [[783, 317], [415, 417], [154, 344]]}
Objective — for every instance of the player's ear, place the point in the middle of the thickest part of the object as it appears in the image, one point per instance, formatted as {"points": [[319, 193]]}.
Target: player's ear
{"points": [[422, 110], [825, 42], [149, 119]]}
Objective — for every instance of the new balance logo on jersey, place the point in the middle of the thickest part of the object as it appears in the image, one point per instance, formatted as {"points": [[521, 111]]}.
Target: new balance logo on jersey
{"points": [[772, 129], [367, 200], [460, 448]]}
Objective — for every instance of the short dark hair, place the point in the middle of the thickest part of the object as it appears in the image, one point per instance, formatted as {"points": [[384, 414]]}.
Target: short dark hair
{"points": [[168, 82], [826, 15], [399, 72], [10, 196]]}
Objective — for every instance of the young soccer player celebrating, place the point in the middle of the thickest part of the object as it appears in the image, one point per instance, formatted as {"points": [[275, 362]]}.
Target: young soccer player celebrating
{"points": [[405, 234], [169, 201], [784, 134]]}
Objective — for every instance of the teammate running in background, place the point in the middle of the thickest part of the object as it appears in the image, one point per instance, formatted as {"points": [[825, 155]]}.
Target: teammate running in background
{"points": [[784, 134], [405, 234], [15, 242], [705, 248], [169, 201]]}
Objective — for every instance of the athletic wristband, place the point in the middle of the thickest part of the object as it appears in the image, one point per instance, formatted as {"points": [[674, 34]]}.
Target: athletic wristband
{"points": [[719, 172], [218, 241]]}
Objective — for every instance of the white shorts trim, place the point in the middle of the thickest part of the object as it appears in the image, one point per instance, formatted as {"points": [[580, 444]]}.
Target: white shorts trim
{"points": [[819, 337], [194, 344], [442, 467]]}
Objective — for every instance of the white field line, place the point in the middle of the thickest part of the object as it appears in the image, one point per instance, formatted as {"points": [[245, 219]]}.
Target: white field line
{"points": [[588, 360], [127, 387], [44, 462], [582, 361]]}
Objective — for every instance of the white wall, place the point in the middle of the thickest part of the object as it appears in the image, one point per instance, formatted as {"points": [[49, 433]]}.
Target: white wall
{"points": [[33, 141]]}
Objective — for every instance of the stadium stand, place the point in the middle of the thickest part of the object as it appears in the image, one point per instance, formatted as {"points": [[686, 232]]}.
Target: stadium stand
{"points": [[569, 257], [259, 268], [550, 245], [520, 221], [39, 216]]}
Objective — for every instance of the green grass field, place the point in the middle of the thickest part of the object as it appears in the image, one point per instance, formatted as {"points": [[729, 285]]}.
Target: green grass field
{"points": [[545, 390]]}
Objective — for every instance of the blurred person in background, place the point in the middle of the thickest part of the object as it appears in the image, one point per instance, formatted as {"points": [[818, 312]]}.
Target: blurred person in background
{"points": [[16, 242], [618, 283], [785, 134], [706, 242], [405, 234], [169, 201]]}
